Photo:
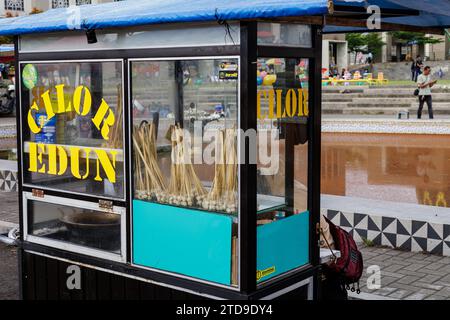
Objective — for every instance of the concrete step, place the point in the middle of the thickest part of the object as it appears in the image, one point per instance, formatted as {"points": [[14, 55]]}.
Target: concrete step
{"points": [[384, 100], [380, 105], [334, 105], [339, 89], [389, 111], [395, 91], [332, 111], [337, 97], [399, 92], [372, 111]]}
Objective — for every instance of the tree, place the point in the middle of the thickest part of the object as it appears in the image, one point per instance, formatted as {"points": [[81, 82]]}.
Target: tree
{"points": [[355, 42], [365, 43], [6, 40], [410, 38], [374, 43]]}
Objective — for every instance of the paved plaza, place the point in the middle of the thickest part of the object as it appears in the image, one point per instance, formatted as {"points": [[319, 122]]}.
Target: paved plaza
{"points": [[407, 275]]}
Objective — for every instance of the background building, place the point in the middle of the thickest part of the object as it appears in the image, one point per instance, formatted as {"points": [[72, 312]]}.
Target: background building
{"points": [[396, 50], [14, 8], [334, 52]]}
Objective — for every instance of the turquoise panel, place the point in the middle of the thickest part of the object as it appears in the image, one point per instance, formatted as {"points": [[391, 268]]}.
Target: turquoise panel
{"points": [[282, 246], [184, 241]]}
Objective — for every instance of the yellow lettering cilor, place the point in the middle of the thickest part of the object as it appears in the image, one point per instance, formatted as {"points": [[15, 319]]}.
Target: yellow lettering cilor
{"points": [[81, 102], [104, 119], [295, 103]]}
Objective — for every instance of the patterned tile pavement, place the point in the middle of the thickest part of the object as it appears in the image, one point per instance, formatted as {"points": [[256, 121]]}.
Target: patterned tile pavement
{"points": [[407, 275]]}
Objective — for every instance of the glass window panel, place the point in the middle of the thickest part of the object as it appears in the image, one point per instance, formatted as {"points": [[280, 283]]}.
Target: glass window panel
{"points": [[149, 37], [283, 220], [185, 164], [73, 127], [284, 34], [74, 225]]}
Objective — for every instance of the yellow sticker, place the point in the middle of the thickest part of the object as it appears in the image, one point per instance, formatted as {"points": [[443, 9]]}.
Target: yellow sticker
{"points": [[265, 273]]}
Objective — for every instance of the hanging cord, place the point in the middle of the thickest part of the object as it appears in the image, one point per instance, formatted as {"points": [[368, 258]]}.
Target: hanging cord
{"points": [[227, 27]]}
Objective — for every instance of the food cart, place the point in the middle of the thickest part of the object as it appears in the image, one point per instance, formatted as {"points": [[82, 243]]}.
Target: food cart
{"points": [[170, 152]]}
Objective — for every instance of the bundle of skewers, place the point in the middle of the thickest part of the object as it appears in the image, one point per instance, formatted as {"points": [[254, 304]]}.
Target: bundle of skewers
{"points": [[223, 193], [149, 179], [185, 188], [116, 135]]}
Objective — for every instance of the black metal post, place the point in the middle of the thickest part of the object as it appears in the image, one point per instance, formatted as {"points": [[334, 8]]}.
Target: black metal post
{"points": [[314, 148], [127, 109], [19, 159], [248, 175]]}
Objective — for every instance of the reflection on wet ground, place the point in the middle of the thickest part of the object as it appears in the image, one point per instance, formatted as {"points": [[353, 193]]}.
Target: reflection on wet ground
{"points": [[401, 168]]}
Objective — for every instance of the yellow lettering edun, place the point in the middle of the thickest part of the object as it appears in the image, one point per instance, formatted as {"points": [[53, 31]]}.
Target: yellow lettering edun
{"points": [[75, 162], [36, 157], [108, 165], [57, 155]]}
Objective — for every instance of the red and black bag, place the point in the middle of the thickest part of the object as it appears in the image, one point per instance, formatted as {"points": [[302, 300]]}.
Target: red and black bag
{"points": [[350, 264]]}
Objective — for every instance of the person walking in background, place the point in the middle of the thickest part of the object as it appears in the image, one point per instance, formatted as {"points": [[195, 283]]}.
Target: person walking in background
{"points": [[413, 71], [425, 84], [418, 67]]}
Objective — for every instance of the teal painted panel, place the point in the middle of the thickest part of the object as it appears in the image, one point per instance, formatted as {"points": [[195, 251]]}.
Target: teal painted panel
{"points": [[282, 246], [189, 242]]}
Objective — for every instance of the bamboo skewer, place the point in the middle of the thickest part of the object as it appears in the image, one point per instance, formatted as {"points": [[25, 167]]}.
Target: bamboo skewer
{"points": [[116, 136], [222, 196], [184, 187], [149, 179]]}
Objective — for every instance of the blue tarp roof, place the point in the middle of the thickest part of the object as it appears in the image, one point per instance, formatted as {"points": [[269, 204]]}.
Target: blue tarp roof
{"points": [[144, 12], [431, 13]]}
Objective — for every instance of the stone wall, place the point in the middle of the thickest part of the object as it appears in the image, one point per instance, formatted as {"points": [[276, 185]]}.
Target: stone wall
{"points": [[402, 70]]}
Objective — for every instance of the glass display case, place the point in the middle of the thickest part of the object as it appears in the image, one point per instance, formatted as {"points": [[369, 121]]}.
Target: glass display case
{"points": [[185, 204], [282, 181], [188, 167]]}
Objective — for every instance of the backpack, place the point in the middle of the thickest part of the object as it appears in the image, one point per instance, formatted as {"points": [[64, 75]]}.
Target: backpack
{"points": [[350, 265]]}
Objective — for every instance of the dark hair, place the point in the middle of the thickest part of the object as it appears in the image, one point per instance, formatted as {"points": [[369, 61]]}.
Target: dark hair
{"points": [[427, 68]]}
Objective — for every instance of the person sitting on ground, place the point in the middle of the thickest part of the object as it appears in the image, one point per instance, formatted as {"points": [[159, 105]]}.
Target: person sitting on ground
{"points": [[347, 75]]}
